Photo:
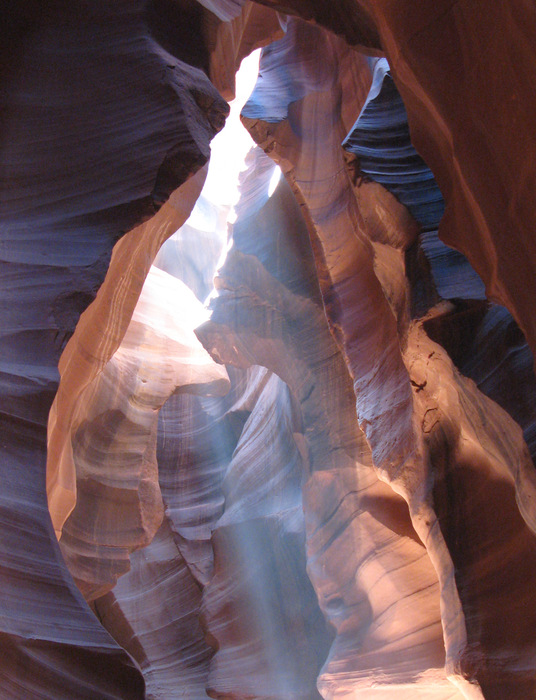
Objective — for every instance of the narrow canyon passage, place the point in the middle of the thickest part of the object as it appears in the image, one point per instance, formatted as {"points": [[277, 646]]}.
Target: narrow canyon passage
{"points": [[287, 433]]}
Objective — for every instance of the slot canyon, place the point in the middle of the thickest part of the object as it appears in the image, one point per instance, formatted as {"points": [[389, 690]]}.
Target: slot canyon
{"points": [[267, 335]]}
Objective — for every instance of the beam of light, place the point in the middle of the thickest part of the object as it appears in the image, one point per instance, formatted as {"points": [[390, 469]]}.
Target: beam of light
{"points": [[274, 180], [230, 146], [214, 210]]}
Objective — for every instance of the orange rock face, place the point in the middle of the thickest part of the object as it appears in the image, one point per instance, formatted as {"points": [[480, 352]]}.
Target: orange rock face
{"points": [[327, 491], [470, 113]]}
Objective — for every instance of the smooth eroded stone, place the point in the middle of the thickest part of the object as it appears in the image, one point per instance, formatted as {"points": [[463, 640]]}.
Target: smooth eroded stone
{"points": [[261, 317], [99, 125], [118, 507]]}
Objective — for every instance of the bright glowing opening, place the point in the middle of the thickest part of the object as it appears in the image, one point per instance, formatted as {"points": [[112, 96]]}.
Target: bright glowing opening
{"points": [[274, 180], [230, 146], [203, 240]]}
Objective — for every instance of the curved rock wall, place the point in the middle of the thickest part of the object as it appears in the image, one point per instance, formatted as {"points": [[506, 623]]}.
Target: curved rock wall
{"points": [[114, 432], [288, 125], [470, 115], [350, 515], [356, 516], [99, 125]]}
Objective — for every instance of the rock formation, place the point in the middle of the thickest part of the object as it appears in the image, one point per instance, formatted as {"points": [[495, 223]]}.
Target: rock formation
{"points": [[114, 432], [328, 490]]}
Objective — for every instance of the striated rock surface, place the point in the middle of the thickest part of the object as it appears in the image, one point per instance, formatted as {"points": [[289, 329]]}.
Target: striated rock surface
{"points": [[99, 125], [471, 117], [153, 612], [380, 139], [340, 502], [232, 33], [259, 608], [118, 505], [350, 516], [485, 479], [287, 124]]}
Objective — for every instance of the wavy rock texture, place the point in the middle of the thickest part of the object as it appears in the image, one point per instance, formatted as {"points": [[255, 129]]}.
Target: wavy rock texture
{"points": [[154, 610], [118, 507], [165, 638], [355, 518], [380, 139], [349, 19], [247, 27], [99, 125], [287, 124], [467, 129], [382, 644], [353, 286], [470, 115], [481, 467], [259, 607], [357, 308]]}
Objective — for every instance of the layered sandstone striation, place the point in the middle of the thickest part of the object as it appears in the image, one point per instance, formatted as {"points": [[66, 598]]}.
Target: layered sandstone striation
{"points": [[351, 517], [114, 432], [287, 124], [328, 490], [99, 126]]}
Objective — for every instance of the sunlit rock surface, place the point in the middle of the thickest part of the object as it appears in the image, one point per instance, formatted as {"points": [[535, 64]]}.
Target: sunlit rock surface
{"points": [[380, 139], [259, 607], [99, 126], [350, 515], [118, 504], [470, 114], [286, 122], [338, 502]]}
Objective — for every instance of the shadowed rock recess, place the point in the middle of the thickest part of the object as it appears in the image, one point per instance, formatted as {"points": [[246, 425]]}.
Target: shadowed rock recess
{"points": [[322, 487]]}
